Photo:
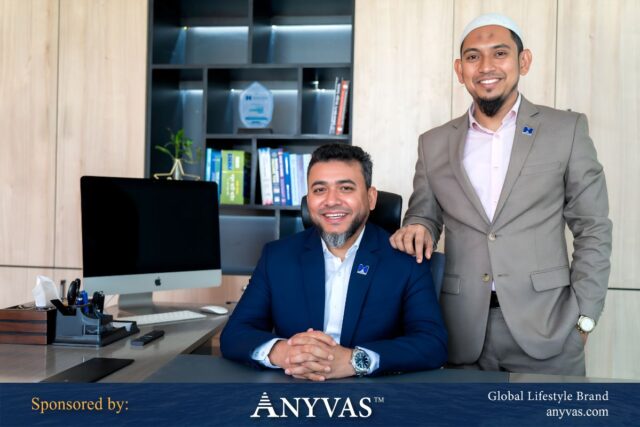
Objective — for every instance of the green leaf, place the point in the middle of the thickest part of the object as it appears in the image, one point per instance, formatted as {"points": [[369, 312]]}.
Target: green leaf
{"points": [[164, 150], [180, 147]]}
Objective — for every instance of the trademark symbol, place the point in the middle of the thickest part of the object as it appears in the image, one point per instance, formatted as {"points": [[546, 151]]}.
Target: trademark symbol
{"points": [[377, 399]]}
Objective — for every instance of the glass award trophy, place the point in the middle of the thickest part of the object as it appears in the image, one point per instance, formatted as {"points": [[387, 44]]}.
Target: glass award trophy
{"points": [[256, 107]]}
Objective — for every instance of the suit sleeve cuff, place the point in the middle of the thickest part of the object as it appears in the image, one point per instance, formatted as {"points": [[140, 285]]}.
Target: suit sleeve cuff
{"points": [[261, 353]]}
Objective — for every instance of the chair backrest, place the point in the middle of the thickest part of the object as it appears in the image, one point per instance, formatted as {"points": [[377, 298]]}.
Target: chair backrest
{"points": [[437, 271], [387, 213]]}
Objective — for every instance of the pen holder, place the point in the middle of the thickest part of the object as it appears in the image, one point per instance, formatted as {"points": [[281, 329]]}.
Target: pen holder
{"points": [[95, 330]]}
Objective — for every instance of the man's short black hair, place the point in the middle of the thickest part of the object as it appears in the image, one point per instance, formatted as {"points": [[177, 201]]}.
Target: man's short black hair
{"points": [[518, 42], [344, 153]]}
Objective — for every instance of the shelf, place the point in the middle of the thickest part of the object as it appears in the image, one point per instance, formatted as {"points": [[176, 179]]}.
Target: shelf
{"points": [[226, 85], [292, 44], [204, 53], [318, 91], [177, 95], [198, 32], [246, 208], [308, 137]]}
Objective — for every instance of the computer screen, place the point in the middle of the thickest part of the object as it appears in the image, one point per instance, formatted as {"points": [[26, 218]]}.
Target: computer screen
{"points": [[144, 235]]}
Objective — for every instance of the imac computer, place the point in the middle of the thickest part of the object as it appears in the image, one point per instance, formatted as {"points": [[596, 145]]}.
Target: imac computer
{"points": [[144, 235]]}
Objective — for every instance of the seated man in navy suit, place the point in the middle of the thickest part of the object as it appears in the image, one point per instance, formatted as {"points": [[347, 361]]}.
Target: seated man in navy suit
{"points": [[337, 300]]}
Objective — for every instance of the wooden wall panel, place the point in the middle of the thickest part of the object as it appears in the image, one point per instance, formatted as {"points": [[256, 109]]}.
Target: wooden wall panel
{"points": [[402, 82], [28, 83], [537, 20], [612, 348], [101, 105], [17, 283], [597, 74]]}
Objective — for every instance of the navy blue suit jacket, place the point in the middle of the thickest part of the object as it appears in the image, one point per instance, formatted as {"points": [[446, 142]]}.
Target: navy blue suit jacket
{"points": [[391, 310]]}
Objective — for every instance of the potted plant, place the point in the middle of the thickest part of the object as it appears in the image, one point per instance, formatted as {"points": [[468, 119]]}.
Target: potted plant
{"points": [[180, 149]]}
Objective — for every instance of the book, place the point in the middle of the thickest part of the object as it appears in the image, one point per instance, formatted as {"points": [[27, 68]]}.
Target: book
{"points": [[283, 191], [342, 107], [207, 165], [216, 169], [306, 159], [264, 166], [275, 177], [334, 109], [236, 166], [293, 168], [302, 178], [286, 161]]}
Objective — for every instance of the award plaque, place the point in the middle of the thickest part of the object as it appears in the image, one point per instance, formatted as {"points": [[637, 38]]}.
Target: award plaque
{"points": [[256, 106]]}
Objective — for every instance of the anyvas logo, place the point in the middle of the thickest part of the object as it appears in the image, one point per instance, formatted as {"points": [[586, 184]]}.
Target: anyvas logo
{"points": [[310, 406]]}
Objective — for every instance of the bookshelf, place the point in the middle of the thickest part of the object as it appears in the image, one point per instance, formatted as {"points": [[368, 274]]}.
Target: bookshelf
{"points": [[204, 53]]}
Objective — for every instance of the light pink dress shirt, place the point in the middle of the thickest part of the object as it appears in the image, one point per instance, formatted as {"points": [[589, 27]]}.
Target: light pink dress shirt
{"points": [[486, 158]]}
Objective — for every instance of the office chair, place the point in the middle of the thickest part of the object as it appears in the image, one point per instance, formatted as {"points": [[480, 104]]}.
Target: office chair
{"points": [[387, 215]]}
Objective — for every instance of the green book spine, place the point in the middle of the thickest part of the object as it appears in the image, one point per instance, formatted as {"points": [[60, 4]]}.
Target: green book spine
{"points": [[236, 166]]}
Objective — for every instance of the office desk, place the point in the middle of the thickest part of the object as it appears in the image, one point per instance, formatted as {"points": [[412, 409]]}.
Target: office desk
{"points": [[33, 363], [191, 368]]}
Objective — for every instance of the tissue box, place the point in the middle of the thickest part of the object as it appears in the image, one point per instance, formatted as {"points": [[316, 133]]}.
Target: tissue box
{"points": [[26, 324]]}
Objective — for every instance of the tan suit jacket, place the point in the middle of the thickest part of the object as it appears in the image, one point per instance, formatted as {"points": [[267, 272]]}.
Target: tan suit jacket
{"points": [[553, 179]]}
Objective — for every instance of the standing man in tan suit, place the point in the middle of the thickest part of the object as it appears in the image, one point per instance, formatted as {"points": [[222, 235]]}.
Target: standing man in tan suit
{"points": [[505, 179]]}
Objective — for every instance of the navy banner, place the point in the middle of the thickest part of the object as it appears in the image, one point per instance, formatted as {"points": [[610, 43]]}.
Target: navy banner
{"points": [[384, 404]]}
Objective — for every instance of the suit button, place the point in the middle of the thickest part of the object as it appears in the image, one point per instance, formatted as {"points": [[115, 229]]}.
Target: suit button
{"points": [[492, 236], [486, 278]]}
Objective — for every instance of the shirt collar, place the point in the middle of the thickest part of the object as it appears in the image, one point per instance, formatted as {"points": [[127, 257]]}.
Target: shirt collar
{"points": [[509, 118], [350, 251]]}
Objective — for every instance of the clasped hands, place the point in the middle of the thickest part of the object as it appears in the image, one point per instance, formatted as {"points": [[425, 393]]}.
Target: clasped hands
{"points": [[312, 355]]}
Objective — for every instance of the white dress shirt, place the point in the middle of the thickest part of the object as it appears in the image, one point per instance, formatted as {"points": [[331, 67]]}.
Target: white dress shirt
{"points": [[486, 158], [336, 284]]}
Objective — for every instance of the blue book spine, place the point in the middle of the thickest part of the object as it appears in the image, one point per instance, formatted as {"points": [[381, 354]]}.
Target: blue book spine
{"points": [[287, 177], [283, 191], [216, 168], [275, 177], [207, 165]]}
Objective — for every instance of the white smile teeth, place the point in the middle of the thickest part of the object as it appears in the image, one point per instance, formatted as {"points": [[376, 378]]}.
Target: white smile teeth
{"points": [[332, 216], [488, 82]]}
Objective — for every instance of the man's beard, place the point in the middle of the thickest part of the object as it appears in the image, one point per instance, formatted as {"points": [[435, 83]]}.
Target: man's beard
{"points": [[490, 107], [337, 240]]}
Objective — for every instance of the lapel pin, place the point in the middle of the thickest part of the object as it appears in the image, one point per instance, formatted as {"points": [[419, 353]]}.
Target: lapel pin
{"points": [[362, 269], [527, 130]]}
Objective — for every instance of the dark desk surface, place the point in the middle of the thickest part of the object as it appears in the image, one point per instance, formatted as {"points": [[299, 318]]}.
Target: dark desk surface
{"points": [[190, 368]]}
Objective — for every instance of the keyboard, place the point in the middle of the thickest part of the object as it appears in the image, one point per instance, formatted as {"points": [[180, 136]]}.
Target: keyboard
{"points": [[156, 318]]}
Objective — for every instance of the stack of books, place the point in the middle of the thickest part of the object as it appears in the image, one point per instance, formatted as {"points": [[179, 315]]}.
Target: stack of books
{"points": [[340, 106], [283, 176], [231, 170]]}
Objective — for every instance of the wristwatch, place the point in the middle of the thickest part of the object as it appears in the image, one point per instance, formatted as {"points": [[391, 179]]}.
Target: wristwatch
{"points": [[585, 324], [360, 361]]}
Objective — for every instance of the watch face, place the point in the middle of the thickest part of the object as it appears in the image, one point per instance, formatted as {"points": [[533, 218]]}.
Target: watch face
{"points": [[587, 324], [361, 360]]}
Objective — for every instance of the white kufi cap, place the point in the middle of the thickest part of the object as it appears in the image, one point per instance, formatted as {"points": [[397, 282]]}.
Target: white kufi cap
{"points": [[491, 19]]}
